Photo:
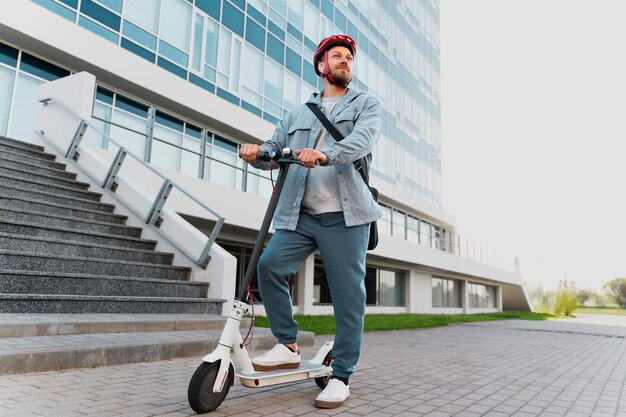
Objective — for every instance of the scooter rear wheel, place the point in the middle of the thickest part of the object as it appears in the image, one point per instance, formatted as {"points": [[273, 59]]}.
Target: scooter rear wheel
{"points": [[323, 380], [200, 394]]}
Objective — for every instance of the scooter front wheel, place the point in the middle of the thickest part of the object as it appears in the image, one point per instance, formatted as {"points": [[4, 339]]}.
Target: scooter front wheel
{"points": [[200, 394]]}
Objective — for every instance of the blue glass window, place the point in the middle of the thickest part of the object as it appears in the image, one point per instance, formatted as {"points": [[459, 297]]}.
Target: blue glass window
{"points": [[352, 31], [194, 131], [373, 53], [200, 82], [138, 50], [240, 3], [295, 32], [169, 121], [275, 49], [364, 43], [233, 18], [41, 68], [257, 15], [309, 44], [8, 55], [99, 30], [139, 35], [172, 53], [224, 143], [327, 9], [315, 3], [113, 4], [211, 7], [340, 20], [72, 3], [227, 96], [270, 118], [101, 14], [294, 62], [58, 9], [354, 9], [104, 95], [309, 74], [131, 106], [279, 5], [251, 108], [171, 67], [276, 30], [255, 34]]}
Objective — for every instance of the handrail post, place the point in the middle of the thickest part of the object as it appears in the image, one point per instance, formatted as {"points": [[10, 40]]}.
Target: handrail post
{"points": [[109, 182], [204, 258], [72, 151], [154, 217]]}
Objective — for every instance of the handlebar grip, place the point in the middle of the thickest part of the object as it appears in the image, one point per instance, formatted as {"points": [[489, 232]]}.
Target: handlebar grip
{"points": [[266, 156]]}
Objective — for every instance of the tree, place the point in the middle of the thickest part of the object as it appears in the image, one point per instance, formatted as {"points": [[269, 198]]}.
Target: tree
{"points": [[617, 289], [586, 295]]}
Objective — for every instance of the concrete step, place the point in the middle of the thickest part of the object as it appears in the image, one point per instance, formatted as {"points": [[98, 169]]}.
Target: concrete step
{"points": [[21, 228], [9, 191], [42, 177], [59, 341], [12, 180], [27, 325], [54, 220], [48, 283], [12, 154], [21, 144], [19, 203], [22, 243], [106, 267], [78, 304], [8, 162], [18, 148]]}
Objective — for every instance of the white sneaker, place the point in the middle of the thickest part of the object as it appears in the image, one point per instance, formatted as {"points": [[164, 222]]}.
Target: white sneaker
{"points": [[334, 395], [279, 357]]}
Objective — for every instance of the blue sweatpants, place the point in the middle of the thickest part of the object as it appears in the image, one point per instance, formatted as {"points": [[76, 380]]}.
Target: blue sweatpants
{"points": [[343, 253]]}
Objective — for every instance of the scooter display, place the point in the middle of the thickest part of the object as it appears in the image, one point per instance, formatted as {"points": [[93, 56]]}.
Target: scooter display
{"points": [[212, 380]]}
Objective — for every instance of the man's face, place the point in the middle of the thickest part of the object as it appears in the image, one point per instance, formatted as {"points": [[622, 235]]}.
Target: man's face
{"points": [[340, 62]]}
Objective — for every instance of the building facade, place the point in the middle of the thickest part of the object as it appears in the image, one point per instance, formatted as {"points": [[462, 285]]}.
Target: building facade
{"points": [[182, 83]]}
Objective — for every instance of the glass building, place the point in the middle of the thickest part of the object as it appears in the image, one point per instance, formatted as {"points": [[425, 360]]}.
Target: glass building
{"points": [[256, 55]]}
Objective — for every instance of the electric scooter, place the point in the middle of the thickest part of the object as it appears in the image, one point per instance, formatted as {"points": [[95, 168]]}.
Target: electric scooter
{"points": [[212, 380]]}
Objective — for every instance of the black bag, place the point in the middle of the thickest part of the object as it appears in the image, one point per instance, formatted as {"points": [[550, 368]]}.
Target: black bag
{"points": [[373, 239]]}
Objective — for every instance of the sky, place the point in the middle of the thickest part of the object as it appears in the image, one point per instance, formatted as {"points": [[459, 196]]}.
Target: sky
{"points": [[533, 102]]}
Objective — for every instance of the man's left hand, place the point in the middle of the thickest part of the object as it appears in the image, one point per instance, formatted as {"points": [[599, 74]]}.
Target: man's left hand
{"points": [[309, 156]]}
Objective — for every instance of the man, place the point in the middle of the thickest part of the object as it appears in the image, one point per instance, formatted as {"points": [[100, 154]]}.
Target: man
{"points": [[326, 207]]}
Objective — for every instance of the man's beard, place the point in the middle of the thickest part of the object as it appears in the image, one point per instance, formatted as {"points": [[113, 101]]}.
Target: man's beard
{"points": [[341, 77]]}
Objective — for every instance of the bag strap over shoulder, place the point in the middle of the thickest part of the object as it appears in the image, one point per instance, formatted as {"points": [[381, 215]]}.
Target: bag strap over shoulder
{"points": [[338, 137]]}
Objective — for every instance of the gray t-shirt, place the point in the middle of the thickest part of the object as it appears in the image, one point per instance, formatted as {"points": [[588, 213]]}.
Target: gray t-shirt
{"points": [[321, 193]]}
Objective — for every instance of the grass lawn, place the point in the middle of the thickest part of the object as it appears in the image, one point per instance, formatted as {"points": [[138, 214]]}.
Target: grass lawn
{"points": [[614, 311], [375, 322]]}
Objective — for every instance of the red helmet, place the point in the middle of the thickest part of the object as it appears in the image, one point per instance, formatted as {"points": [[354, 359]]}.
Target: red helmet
{"points": [[322, 53]]}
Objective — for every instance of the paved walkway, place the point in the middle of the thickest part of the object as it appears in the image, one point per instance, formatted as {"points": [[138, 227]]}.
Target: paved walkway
{"points": [[519, 368]]}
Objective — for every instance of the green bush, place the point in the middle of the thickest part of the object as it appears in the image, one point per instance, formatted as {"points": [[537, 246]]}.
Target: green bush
{"points": [[566, 301]]}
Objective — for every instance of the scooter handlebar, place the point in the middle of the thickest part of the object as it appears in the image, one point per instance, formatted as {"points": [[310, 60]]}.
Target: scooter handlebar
{"points": [[286, 156]]}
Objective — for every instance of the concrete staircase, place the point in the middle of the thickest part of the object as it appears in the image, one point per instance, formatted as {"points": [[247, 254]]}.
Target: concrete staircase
{"points": [[63, 251]]}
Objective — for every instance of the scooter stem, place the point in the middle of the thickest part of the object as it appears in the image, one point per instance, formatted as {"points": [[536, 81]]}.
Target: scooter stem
{"points": [[260, 240]]}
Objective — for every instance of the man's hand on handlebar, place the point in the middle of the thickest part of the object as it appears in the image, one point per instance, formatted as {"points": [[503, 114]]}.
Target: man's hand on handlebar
{"points": [[310, 157], [248, 152]]}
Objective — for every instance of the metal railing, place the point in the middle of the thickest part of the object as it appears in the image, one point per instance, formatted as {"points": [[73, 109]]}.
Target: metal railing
{"points": [[110, 182]]}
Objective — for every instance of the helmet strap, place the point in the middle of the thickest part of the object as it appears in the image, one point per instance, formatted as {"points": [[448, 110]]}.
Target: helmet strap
{"points": [[326, 73]]}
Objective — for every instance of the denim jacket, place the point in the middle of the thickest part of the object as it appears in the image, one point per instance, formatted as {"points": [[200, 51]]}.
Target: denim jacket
{"points": [[358, 117]]}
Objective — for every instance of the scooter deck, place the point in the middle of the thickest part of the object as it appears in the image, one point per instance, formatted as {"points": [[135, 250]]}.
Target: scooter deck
{"points": [[306, 370]]}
